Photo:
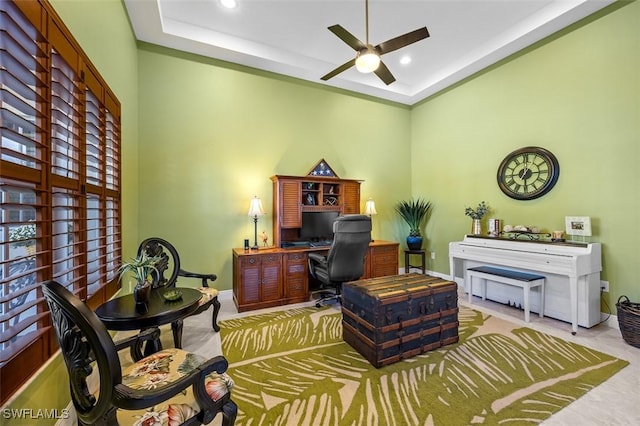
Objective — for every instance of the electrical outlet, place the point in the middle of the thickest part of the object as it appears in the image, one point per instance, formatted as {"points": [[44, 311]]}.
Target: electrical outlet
{"points": [[604, 286], [433, 255]]}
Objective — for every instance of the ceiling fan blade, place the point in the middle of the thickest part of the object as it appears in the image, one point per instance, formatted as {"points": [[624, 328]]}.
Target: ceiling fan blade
{"points": [[347, 37], [384, 74], [340, 69], [402, 41]]}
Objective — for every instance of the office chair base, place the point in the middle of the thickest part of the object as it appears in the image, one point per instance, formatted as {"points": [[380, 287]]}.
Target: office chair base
{"points": [[336, 297]]}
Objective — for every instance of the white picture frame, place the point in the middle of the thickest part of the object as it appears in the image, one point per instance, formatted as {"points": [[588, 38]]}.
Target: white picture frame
{"points": [[578, 225]]}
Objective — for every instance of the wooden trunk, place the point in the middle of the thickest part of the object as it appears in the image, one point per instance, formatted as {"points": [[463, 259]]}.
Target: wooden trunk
{"points": [[391, 318]]}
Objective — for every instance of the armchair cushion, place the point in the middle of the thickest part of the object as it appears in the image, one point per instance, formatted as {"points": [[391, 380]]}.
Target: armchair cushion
{"points": [[208, 294], [163, 369]]}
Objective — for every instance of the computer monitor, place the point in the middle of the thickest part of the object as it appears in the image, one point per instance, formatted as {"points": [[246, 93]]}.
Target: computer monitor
{"points": [[317, 226]]}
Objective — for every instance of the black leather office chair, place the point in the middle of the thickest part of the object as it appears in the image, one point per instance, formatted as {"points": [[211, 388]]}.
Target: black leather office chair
{"points": [[173, 383], [345, 260]]}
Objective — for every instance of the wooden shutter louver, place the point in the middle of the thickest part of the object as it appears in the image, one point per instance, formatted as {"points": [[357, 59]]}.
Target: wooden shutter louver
{"points": [[59, 182]]}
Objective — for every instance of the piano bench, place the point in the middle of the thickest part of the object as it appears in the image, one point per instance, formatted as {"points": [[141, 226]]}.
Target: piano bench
{"points": [[523, 280]]}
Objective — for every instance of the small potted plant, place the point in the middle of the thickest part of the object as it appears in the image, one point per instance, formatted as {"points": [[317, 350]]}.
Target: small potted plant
{"points": [[416, 214], [141, 268], [477, 215]]}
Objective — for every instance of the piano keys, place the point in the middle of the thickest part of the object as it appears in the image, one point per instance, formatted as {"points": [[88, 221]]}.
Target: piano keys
{"points": [[572, 272]]}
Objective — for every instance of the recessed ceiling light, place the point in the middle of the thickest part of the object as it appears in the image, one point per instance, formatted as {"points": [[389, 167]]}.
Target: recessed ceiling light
{"points": [[405, 60], [229, 4]]}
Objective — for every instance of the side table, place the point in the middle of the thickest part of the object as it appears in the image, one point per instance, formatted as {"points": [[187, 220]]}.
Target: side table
{"points": [[407, 258], [120, 314]]}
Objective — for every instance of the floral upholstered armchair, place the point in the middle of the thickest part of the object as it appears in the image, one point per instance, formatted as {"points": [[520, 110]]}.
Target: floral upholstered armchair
{"points": [[169, 270], [170, 387]]}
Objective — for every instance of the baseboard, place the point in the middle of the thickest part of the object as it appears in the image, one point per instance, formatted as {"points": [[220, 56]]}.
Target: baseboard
{"points": [[609, 320], [225, 294]]}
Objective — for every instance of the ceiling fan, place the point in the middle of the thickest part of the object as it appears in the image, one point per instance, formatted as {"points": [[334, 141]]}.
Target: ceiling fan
{"points": [[368, 56]]}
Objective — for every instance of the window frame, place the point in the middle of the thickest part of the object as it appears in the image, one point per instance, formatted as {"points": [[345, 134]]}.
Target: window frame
{"points": [[60, 182]]}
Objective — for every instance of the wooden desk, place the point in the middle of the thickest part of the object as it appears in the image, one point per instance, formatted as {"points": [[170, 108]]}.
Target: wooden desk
{"points": [[278, 276], [120, 313]]}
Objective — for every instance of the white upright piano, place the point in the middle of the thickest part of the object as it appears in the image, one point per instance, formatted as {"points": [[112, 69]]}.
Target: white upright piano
{"points": [[572, 272]]}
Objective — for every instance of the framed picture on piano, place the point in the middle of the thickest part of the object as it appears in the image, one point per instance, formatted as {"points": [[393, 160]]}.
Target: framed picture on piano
{"points": [[578, 225]]}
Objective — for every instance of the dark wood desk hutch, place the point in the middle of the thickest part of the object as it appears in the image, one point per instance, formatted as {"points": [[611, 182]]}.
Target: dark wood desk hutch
{"points": [[294, 195], [278, 276]]}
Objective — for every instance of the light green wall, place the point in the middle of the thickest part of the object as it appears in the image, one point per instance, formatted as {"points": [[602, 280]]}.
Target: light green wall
{"points": [[211, 139], [577, 95]]}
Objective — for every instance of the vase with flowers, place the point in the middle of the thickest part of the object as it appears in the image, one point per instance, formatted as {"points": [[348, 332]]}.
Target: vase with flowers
{"points": [[141, 267], [477, 215]]}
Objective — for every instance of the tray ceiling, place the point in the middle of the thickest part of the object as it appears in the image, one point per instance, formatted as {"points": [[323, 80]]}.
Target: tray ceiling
{"points": [[290, 37]]}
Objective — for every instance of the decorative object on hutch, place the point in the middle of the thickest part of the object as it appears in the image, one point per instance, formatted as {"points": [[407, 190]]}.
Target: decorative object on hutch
{"points": [[528, 173], [141, 268], [477, 215], [416, 214], [322, 169], [255, 210]]}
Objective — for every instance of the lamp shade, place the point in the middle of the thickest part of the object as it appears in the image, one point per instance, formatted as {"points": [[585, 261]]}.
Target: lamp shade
{"points": [[370, 207], [255, 208], [368, 61]]}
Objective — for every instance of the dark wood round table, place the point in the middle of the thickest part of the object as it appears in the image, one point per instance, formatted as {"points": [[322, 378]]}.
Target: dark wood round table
{"points": [[121, 313]]}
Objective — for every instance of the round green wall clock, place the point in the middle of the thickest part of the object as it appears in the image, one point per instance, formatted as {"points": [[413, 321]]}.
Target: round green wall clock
{"points": [[528, 173]]}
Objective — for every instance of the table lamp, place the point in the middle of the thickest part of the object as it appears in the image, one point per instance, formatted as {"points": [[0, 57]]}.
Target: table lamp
{"points": [[255, 210], [370, 208]]}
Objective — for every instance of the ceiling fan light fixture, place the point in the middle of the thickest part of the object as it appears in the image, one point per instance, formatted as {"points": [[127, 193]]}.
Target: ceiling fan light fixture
{"points": [[229, 4], [367, 61]]}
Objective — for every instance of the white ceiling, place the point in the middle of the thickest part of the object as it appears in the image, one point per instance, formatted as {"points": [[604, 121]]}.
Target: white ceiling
{"points": [[290, 37]]}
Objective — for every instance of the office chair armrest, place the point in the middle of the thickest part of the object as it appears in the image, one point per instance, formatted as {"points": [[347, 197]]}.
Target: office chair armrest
{"points": [[203, 277], [317, 257]]}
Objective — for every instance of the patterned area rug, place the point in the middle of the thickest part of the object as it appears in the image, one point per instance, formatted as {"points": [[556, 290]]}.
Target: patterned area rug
{"points": [[292, 368]]}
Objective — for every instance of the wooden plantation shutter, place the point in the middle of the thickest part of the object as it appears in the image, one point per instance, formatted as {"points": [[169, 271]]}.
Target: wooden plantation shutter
{"points": [[59, 182]]}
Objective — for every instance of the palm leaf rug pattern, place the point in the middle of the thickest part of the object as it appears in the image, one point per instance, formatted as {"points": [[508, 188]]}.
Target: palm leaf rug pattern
{"points": [[293, 368]]}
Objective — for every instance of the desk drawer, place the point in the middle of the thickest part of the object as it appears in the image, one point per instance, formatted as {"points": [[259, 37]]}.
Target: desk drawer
{"points": [[384, 260], [259, 259], [296, 276]]}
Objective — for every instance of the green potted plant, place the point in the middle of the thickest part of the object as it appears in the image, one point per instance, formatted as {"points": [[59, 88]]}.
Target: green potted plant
{"points": [[477, 215], [415, 213], [141, 267]]}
